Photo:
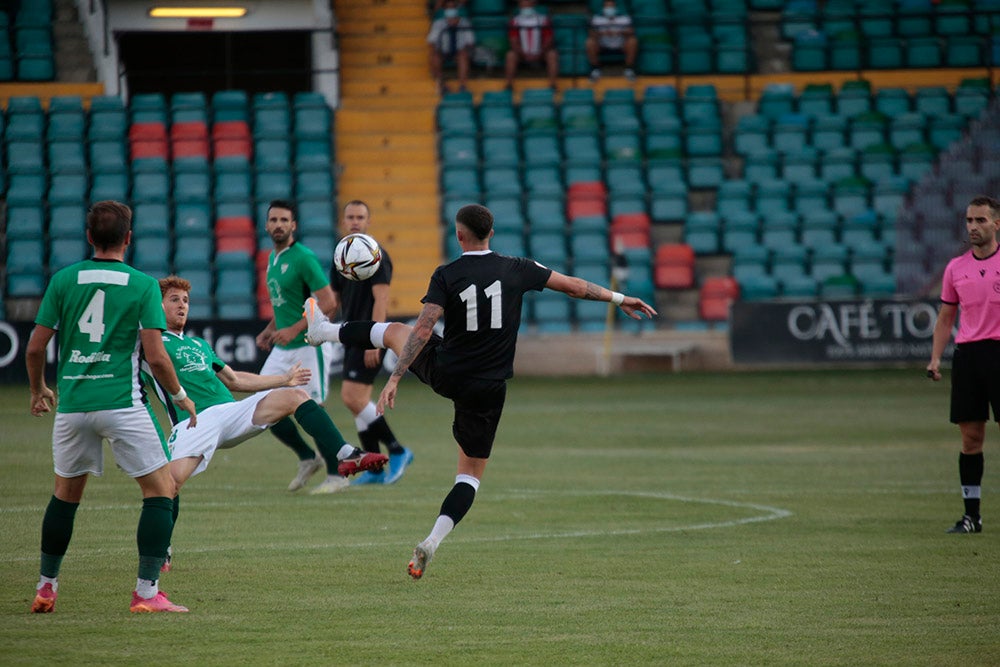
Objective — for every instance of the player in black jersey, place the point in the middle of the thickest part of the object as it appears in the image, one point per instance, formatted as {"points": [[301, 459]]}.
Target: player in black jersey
{"points": [[479, 295], [366, 300]]}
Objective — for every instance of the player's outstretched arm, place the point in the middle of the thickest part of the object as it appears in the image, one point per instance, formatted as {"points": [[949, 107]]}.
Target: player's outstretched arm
{"points": [[578, 288], [250, 382]]}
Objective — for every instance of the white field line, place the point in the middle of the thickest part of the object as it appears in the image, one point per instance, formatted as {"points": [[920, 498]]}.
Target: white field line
{"points": [[766, 513]]}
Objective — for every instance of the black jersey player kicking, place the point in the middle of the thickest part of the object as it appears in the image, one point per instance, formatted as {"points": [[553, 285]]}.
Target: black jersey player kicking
{"points": [[479, 295]]}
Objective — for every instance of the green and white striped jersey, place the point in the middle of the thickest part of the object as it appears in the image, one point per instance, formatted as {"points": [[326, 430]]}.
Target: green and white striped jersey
{"points": [[98, 307]]}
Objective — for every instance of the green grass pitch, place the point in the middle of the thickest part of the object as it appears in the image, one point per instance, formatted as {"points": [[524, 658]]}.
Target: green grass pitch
{"points": [[755, 518]]}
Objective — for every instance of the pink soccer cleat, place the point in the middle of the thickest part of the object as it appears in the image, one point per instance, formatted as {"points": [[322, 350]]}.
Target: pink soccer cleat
{"points": [[158, 602]]}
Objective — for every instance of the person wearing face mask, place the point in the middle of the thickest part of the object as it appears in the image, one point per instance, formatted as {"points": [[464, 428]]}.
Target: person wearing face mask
{"points": [[532, 40], [611, 32], [451, 38]]}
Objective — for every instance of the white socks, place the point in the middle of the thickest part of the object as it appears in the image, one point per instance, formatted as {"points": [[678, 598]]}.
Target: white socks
{"points": [[378, 334], [442, 527], [327, 331], [146, 588], [364, 418], [468, 479]]}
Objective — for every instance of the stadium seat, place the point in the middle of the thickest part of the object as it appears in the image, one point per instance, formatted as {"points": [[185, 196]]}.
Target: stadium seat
{"points": [[715, 297], [674, 266]]}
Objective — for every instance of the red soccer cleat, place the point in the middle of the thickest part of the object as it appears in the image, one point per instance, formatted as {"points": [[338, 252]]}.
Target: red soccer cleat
{"points": [[45, 600]]}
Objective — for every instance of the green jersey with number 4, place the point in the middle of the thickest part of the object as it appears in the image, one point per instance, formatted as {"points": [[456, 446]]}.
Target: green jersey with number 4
{"points": [[99, 306], [292, 275]]}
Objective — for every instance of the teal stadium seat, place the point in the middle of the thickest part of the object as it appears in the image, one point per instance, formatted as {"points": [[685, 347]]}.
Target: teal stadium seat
{"points": [[816, 99], [67, 188], [151, 220]]}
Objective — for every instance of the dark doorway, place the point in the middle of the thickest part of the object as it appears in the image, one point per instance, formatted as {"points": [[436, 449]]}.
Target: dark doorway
{"points": [[169, 62]]}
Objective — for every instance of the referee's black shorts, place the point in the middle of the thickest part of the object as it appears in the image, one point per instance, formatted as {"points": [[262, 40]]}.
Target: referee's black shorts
{"points": [[975, 381], [478, 402]]}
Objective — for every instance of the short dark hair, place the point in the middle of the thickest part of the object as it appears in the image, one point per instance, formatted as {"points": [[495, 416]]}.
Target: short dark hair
{"points": [[109, 223], [990, 202], [357, 202], [286, 204], [477, 218]]}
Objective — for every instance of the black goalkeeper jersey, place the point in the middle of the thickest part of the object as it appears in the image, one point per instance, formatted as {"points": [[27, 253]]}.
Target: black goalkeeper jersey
{"points": [[356, 300], [481, 294]]}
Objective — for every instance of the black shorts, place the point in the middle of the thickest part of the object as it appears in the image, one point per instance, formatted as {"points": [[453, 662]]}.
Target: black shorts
{"points": [[975, 381], [478, 402], [354, 365]]}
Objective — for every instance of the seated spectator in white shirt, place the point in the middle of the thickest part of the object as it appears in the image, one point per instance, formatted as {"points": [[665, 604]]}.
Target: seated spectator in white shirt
{"points": [[451, 37], [611, 31]]}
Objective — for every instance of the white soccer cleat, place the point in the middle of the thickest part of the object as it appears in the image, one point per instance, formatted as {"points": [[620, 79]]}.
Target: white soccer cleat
{"points": [[307, 469], [422, 555], [315, 319], [332, 484]]}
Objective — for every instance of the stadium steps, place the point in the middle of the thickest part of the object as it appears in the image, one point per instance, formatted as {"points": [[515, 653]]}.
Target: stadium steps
{"points": [[386, 144]]}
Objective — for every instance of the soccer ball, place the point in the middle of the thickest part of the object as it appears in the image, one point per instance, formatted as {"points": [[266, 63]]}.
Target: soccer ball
{"points": [[357, 257]]}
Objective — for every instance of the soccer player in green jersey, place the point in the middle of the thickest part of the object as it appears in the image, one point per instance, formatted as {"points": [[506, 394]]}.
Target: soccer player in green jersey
{"points": [[103, 310], [224, 422], [293, 274]]}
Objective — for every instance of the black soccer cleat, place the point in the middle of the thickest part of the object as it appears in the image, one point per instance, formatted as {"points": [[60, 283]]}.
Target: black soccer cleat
{"points": [[967, 524]]}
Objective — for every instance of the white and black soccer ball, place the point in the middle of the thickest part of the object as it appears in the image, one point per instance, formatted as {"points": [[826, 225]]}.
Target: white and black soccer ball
{"points": [[357, 257]]}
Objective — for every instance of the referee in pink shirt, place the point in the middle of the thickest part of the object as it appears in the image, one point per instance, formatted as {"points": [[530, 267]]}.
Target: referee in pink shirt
{"points": [[971, 283]]}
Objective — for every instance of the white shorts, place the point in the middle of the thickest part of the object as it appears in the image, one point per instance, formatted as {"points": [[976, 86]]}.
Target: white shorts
{"points": [[135, 439], [219, 427], [316, 359]]}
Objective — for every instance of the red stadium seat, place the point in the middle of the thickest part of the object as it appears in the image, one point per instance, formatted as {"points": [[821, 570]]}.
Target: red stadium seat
{"points": [[147, 132], [231, 147], [243, 244], [673, 267], [579, 208], [587, 189], [189, 148], [230, 129], [235, 228], [189, 130], [716, 296], [156, 148]]}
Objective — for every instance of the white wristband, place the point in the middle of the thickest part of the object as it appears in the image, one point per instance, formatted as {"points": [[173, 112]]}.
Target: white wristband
{"points": [[179, 396], [617, 298]]}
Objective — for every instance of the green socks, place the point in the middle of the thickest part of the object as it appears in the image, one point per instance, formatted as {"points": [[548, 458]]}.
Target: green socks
{"points": [[156, 524], [317, 423], [57, 529], [286, 431]]}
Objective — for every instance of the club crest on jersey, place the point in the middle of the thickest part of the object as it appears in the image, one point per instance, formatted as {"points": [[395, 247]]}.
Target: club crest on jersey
{"points": [[284, 268]]}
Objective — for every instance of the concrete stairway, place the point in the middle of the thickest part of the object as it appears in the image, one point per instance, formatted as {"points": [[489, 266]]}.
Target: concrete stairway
{"points": [[386, 148]]}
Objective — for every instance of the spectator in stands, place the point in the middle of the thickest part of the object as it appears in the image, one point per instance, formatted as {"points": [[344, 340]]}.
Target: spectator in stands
{"points": [[451, 38], [532, 40], [611, 31]]}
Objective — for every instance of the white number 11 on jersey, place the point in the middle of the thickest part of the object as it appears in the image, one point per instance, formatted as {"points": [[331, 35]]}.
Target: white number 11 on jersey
{"points": [[493, 293]]}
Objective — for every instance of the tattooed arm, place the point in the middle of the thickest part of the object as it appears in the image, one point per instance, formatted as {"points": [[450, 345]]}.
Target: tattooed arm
{"points": [[415, 342], [579, 288]]}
